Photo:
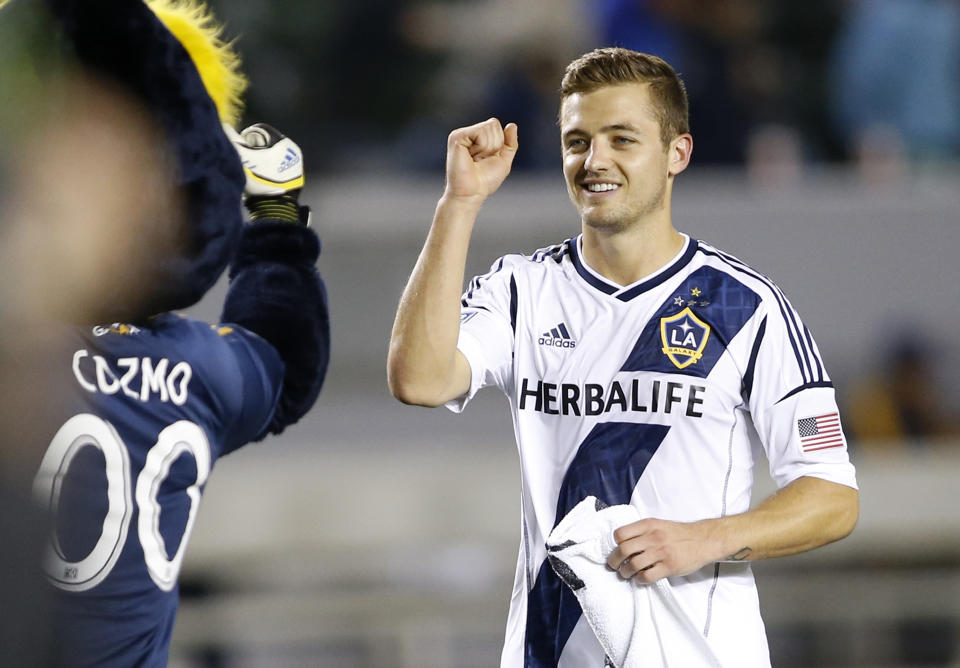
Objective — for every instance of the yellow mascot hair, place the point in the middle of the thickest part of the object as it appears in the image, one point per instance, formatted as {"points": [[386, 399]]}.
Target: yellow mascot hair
{"points": [[193, 24]]}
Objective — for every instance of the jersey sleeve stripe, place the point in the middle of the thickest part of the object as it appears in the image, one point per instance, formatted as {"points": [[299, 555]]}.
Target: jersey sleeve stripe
{"points": [[478, 307], [806, 338], [806, 367], [513, 304], [796, 322], [801, 348], [816, 358], [805, 386], [752, 364], [556, 252], [475, 283]]}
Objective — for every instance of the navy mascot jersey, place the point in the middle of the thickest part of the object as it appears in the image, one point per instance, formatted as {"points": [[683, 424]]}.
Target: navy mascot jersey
{"points": [[148, 412], [144, 411]]}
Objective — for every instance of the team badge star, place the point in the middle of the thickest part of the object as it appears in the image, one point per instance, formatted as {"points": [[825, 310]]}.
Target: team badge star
{"points": [[678, 301], [695, 292]]}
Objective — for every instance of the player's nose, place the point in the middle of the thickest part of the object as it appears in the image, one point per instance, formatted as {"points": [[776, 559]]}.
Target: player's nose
{"points": [[597, 158]]}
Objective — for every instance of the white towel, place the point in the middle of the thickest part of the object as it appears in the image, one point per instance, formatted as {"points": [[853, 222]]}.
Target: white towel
{"points": [[638, 625]]}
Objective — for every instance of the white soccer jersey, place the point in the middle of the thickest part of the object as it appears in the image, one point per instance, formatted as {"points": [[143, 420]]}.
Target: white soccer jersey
{"points": [[651, 394]]}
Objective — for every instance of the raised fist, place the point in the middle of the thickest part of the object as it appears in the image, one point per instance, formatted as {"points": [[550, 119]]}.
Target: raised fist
{"points": [[479, 158]]}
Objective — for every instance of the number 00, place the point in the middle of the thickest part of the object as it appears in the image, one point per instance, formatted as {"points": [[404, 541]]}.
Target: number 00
{"points": [[89, 430]]}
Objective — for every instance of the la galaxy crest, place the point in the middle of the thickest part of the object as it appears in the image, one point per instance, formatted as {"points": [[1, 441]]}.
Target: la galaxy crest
{"points": [[684, 337]]}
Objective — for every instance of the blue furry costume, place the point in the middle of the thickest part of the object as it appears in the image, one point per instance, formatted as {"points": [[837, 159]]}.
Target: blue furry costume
{"points": [[153, 402]]}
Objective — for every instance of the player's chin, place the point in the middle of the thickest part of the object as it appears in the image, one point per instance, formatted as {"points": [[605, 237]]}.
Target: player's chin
{"points": [[604, 222]]}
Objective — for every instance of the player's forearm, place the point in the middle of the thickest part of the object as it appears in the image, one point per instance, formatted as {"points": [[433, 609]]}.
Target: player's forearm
{"points": [[421, 363], [806, 514]]}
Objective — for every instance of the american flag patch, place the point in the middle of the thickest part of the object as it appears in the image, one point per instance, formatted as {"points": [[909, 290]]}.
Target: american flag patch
{"points": [[820, 433]]}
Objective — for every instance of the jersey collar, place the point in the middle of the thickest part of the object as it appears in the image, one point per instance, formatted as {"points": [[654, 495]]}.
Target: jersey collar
{"points": [[628, 292]]}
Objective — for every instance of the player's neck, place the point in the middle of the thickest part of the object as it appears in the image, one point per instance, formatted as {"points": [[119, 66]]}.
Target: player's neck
{"points": [[626, 256]]}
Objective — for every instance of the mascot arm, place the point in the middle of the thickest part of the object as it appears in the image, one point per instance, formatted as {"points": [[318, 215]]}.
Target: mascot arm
{"points": [[275, 289], [277, 293]]}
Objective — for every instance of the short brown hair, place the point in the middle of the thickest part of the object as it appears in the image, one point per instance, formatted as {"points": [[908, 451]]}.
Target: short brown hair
{"points": [[611, 66]]}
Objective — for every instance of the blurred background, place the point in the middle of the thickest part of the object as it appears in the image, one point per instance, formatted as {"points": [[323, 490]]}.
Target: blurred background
{"points": [[827, 156]]}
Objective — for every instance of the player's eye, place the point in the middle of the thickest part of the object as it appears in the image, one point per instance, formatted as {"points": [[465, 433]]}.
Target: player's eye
{"points": [[575, 143], [620, 140]]}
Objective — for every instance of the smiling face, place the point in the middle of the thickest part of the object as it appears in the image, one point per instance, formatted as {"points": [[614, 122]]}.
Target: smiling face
{"points": [[617, 169]]}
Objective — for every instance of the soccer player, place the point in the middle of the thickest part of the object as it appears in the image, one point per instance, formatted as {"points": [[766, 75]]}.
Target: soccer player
{"points": [[641, 365], [151, 402]]}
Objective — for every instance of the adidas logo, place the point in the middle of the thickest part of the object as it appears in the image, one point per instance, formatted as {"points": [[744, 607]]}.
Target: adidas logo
{"points": [[558, 337], [289, 160]]}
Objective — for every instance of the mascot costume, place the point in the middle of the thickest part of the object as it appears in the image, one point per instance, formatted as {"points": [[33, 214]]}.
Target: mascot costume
{"points": [[151, 399]]}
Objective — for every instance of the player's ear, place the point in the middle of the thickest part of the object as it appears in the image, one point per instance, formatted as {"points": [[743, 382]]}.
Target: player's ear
{"points": [[679, 153]]}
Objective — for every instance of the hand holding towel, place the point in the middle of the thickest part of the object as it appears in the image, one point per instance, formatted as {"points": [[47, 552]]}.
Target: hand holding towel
{"points": [[638, 625]]}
